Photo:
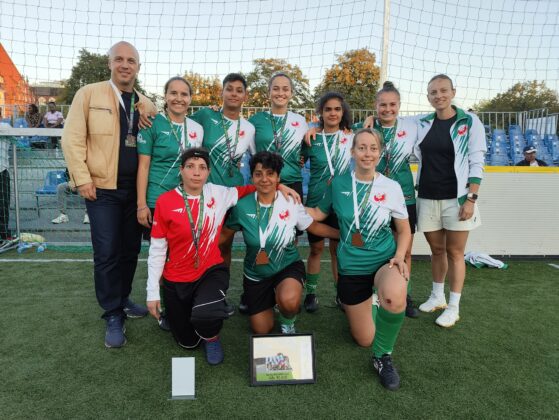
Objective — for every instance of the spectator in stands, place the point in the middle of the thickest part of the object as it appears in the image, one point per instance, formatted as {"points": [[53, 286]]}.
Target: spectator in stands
{"points": [[53, 118], [99, 143], [33, 116], [530, 158], [63, 190]]}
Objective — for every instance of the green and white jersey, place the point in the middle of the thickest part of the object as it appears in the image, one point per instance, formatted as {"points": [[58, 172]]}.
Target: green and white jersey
{"points": [[161, 143], [398, 148], [278, 224], [339, 150], [225, 151], [384, 201], [290, 130]]}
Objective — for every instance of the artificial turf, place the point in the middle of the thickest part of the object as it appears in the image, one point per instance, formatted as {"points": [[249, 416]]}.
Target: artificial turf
{"points": [[500, 361]]}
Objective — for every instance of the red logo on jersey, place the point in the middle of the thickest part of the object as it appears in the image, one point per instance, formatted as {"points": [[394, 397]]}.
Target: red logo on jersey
{"points": [[241, 133], [401, 133], [295, 123], [192, 135], [380, 197], [284, 215], [211, 204], [462, 129], [343, 140]]}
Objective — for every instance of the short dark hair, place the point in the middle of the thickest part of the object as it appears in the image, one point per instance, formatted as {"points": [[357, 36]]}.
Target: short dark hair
{"points": [[196, 152], [345, 123], [387, 87], [444, 77], [34, 108], [235, 77], [268, 160], [51, 102]]}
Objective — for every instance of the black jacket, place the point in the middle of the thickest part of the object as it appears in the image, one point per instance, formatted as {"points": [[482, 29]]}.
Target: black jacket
{"points": [[524, 162]]}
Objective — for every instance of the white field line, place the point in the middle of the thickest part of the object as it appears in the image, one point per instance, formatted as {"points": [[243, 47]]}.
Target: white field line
{"points": [[73, 260], [554, 266]]}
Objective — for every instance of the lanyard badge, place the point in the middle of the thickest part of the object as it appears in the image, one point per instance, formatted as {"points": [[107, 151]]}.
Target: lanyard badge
{"points": [[278, 131], [195, 229], [329, 157], [358, 209], [231, 146], [130, 140], [262, 256]]}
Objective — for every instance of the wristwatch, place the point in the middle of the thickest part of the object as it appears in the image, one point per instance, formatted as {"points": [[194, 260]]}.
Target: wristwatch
{"points": [[472, 196]]}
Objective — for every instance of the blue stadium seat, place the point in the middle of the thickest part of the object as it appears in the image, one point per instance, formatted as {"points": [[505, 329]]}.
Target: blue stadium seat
{"points": [[530, 132], [513, 129], [52, 180], [22, 142], [499, 160]]}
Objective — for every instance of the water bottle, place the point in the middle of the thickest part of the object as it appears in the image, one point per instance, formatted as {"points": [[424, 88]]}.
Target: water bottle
{"points": [[23, 246], [41, 247]]}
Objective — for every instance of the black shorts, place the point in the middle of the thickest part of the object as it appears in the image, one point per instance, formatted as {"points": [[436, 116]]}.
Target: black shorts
{"points": [[197, 309], [332, 221], [412, 218], [354, 289], [261, 295]]}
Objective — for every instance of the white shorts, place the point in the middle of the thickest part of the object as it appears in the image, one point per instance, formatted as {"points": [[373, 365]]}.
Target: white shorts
{"points": [[433, 215]]}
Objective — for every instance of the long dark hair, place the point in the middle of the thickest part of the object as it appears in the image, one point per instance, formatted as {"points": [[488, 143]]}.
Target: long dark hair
{"points": [[345, 123]]}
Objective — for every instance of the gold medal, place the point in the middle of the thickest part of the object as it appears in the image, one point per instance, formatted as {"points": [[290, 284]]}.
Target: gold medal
{"points": [[262, 257], [130, 141], [357, 239]]}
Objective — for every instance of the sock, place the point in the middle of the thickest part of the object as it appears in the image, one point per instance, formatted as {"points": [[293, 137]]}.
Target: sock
{"points": [[454, 300], [286, 321], [388, 327], [311, 283], [438, 289]]}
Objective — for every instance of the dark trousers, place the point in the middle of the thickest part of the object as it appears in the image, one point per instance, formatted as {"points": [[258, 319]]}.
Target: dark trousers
{"points": [[4, 204], [197, 310], [116, 239]]}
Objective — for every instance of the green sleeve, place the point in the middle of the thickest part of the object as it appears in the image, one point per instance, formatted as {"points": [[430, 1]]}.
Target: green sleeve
{"points": [[233, 221], [146, 138], [357, 126], [325, 205], [474, 180], [200, 115]]}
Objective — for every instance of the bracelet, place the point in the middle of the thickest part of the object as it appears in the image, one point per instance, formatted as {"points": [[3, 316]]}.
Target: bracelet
{"points": [[142, 208]]}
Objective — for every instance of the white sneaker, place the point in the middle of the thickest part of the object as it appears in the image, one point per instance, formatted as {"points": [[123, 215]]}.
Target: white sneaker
{"points": [[62, 218], [85, 219], [434, 303], [288, 329], [448, 318]]}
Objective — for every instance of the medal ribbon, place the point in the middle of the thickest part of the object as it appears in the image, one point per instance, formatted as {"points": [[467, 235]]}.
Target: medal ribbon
{"points": [[195, 229], [130, 118], [278, 134], [389, 136], [263, 235], [231, 148], [329, 157], [359, 208], [181, 142]]}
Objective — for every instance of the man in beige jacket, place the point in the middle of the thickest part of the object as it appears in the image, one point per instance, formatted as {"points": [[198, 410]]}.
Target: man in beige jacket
{"points": [[99, 144]]}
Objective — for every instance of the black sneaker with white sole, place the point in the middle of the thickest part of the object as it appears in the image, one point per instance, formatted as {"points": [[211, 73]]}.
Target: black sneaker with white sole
{"points": [[243, 307], [311, 303], [389, 377], [411, 310]]}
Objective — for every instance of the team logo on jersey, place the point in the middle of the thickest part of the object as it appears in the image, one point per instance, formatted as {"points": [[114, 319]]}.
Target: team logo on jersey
{"points": [[343, 140], [462, 129], [380, 197], [216, 122], [242, 133], [346, 193], [401, 133], [211, 204], [193, 135], [284, 215], [165, 132], [179, 210], [251, 215], [295, 123], [154, 223]]}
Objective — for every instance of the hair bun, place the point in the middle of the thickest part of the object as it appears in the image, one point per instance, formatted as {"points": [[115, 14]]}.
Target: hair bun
{"points": [[388, 85]]}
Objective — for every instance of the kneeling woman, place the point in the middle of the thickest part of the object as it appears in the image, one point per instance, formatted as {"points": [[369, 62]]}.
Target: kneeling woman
{"points": [[365, 201], [273, 270], [187, 223]]}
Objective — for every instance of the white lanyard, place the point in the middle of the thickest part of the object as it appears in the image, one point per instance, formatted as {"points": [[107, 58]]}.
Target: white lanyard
{"points": [[327, 150], [119, 96], [355, 204], [263, 235]]}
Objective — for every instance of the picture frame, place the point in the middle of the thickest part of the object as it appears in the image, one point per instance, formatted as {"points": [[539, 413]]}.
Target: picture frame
{"points": [[279, 359]]}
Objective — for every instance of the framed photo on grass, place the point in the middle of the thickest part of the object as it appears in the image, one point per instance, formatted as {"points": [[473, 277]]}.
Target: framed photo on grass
{"points": [[282, 359]]}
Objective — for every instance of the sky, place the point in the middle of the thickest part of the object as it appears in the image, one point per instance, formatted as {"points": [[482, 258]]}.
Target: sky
{"points": [[485, 46]]}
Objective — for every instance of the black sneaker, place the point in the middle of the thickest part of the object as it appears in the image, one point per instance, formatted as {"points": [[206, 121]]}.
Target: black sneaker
{"points": [[311, 303], [243, 307], [133, 310], [388, 374], [164, 322], [411, 310], [339, 303], [114, 332], [230, 309]]}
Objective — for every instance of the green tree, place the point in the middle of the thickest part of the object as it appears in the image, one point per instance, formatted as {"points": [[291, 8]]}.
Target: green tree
{"points": [[264, 69], [90, 68], [205, 90], [355, 75], [523, 96]]}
